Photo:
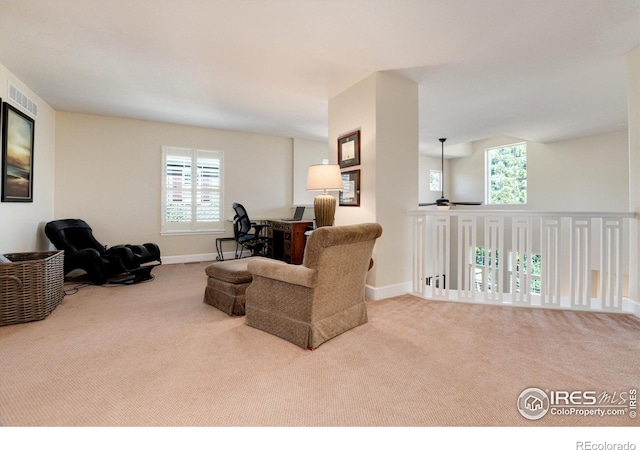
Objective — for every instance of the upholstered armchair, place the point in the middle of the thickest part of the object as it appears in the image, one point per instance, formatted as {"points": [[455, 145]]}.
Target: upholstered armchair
{"points": [[320, 299]]}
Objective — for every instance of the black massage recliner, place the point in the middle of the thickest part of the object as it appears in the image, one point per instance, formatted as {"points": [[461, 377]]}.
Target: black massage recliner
{"points": [[83, 251]]}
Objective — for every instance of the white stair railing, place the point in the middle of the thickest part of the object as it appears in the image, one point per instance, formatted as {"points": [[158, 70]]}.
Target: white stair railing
{"points": [[611, 263], [522, 258]]}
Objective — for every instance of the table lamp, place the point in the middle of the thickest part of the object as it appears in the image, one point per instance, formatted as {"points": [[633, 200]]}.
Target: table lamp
{"points": [[324, 177]]}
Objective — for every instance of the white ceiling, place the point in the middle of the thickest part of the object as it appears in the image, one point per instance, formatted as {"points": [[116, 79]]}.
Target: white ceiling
{"points": [[540, 70]]}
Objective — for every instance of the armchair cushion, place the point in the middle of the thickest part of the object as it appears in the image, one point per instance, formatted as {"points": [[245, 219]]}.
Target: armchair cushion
{"points": [[299, 275], [233, 271]]}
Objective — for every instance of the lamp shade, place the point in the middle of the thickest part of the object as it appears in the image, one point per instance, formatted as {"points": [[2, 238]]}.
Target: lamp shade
{"points": [[324, 177]]}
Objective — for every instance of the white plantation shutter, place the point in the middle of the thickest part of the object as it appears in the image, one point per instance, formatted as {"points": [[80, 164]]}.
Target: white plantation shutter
{"points": [[192, 190]]}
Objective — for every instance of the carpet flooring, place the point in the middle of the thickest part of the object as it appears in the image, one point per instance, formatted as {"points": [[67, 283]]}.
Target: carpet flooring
{"points": [[154, 354]]}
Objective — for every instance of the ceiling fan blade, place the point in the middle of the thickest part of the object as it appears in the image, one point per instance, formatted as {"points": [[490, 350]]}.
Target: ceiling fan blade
{"points": [[440, 202], [443, 201]]}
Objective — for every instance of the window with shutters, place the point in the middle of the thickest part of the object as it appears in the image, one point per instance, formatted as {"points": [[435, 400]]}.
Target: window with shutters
{"points": [[192, 189]]}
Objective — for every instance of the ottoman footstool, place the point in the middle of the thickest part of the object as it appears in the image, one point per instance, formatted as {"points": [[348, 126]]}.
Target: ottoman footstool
{"points": [[227, 282]]}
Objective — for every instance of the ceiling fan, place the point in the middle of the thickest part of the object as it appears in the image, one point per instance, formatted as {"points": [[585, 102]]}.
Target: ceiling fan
{"points": [[443, 201]]}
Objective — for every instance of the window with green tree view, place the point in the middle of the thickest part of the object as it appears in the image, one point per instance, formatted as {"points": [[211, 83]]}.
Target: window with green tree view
{"points": [[506, 169]]}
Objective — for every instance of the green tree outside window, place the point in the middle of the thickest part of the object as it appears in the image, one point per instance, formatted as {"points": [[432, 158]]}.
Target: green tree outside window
{"points": [[507, 175]]}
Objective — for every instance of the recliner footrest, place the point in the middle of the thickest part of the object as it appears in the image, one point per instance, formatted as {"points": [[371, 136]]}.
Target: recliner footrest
{"points": [[136, 275]]}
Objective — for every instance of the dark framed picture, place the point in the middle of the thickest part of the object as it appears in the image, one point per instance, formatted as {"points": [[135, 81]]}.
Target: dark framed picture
{"points": [[350, 195], [349, 149], [17, 155]]}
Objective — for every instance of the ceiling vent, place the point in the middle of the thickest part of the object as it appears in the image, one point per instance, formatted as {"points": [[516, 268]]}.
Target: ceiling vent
{"points": [[22, 100]]}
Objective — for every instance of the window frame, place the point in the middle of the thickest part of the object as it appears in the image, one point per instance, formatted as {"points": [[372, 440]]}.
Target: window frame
{"points": [[431, 173], [195, 191], [487, 173]]}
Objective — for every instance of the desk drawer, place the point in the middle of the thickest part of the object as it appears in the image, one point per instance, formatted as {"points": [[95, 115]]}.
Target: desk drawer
{"points": [[282, 226], [288, 240]]}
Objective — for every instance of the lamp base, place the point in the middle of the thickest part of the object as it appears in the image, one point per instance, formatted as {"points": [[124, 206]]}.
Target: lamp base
{"points": [[324, 207]]}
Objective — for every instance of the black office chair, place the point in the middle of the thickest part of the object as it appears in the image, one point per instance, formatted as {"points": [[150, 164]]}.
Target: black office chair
{"points": [[83, 251], [256, 242]]}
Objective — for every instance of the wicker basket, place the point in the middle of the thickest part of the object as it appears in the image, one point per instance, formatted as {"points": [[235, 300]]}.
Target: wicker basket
{"points": [[31, 286]]}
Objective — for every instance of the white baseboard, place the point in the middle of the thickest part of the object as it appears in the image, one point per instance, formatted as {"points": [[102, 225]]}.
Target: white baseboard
{"points": [[380, 293], [631, 307], [181, 259]]}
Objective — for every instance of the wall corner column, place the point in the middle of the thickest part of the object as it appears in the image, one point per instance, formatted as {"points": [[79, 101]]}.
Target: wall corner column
{"points": [[633, 93], [384, 107]]}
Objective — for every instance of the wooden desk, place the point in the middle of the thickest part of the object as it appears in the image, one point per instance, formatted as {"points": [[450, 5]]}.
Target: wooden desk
{"points": [[288, 239]]}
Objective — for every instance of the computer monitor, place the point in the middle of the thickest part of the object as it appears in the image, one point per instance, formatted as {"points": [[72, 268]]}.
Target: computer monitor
{"points": [[298, 214]]}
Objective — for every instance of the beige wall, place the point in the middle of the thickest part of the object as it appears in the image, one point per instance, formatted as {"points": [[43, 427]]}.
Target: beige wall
{"points": [[633, 93], [584, 174], [22, 224], [108, 172], [384, 108], [351, 110], [426, 164], [305, 154], [397, 175]]}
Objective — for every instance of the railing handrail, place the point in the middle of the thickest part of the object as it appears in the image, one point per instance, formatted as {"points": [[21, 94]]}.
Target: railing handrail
{"points": [[521, 212]]}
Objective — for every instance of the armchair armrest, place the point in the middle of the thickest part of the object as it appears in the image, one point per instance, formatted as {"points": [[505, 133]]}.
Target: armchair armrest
{"points": [[259, 226], [287, 273]]}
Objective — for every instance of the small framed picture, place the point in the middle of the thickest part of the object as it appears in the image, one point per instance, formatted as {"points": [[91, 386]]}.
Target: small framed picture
{"points": [[350, 195], [349, 149], [17, 155]]}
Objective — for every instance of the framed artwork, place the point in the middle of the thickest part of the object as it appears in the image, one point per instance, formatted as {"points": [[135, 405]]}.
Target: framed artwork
{"points": [[350, 195], [17, 155], [349, 149]]}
